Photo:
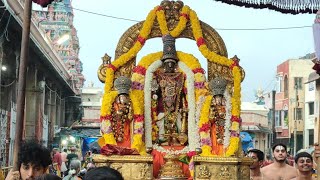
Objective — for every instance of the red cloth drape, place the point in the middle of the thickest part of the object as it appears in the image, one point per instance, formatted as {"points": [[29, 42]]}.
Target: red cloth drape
{"points": [[158, 161]]}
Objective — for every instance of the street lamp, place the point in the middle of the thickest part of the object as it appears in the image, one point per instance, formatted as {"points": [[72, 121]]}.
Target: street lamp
{"points": [[3, 68]]}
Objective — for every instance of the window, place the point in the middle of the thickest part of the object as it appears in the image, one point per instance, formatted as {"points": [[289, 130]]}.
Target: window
{"points": [[285, 118], [298, 115], [278, 87], [278, 118], [298, 82], [311, 108], [285, 86], [311, 85]]}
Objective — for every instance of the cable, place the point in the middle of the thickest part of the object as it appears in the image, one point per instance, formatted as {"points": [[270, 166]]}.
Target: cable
{"points": [[114, 17], [220, 29], [5, 32], [7, 85]]}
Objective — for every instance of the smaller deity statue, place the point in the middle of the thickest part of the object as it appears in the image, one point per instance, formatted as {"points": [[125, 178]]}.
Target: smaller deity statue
{"points": [[122, 116], [217, 114]]}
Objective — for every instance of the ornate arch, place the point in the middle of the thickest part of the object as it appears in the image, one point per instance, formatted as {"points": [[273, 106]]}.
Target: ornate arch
{"points": [[172, 11]]}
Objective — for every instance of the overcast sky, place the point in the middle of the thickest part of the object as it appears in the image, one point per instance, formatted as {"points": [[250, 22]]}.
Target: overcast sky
{"points": [[260, 51]]}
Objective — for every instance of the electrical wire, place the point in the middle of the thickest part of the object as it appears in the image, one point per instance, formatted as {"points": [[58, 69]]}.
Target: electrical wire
{"points": [[220, 29], [7, 85]]}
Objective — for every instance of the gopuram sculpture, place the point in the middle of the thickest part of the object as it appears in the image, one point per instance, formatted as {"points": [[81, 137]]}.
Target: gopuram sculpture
{"points": [[161, 117]]}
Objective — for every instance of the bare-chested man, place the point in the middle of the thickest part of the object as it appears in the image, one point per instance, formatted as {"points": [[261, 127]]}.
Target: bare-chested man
{"points": [[258, 157], [304, 164], [279, 170]]}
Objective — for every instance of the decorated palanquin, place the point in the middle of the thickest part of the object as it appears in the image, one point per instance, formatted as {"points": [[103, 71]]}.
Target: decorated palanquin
{"points": [[160, 116]]}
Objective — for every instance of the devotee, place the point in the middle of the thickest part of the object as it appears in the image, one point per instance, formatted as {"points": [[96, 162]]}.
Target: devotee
{"points": [[304, 164], [75, 167], [71, 156], [33, 161], [279, 169], [258, 157], [103, 173]]}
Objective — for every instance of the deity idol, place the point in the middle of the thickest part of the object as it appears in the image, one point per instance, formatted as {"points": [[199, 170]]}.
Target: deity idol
{"points": [[169, 103], [217, 114], [122, 116]]}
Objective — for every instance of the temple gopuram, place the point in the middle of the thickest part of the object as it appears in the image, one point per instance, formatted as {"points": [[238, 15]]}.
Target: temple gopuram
{"points": [[57, 25], [161, 117]]}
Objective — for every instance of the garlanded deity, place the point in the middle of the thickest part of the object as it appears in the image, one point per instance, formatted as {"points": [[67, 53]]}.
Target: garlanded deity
{"points": [[122, 116], [217, 113], [176, 120], [169, 99]]}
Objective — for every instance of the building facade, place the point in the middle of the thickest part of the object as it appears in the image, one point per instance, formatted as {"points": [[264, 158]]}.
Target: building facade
{"points": [[311, 115], [255, 122], [51, 94], [91, 103], [289, 101]]}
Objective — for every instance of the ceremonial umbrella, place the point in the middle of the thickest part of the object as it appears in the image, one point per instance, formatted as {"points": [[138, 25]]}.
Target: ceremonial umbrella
{"points": [[284, 6]]}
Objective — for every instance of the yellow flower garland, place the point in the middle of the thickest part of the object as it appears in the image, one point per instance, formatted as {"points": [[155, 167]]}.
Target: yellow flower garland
{"points": [[211, 56]]}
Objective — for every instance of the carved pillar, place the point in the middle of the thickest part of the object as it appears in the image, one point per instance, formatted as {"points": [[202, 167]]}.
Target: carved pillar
{"points": [[40, 109], [53, 115], [31, 108]]}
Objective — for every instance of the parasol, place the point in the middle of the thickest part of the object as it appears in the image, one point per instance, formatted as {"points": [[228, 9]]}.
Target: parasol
{"points": [[283, 6]]}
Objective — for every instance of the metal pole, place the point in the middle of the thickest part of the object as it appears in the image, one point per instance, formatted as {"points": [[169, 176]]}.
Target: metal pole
{"points": [[22, 81], [295, 122], [273, 116]]}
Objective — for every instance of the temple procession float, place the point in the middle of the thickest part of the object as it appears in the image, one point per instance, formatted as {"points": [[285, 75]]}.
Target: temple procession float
{"points": [[160, 116]]}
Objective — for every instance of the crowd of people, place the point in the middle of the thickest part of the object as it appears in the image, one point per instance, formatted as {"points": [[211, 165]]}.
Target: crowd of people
{"points": [[281, 167], [35, 162]]}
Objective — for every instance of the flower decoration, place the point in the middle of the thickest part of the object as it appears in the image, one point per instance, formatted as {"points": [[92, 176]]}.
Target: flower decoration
{"points": [[138, 76]]}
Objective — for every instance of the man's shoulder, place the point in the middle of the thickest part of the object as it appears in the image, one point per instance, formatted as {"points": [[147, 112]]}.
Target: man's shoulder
{"points": [[265, 168]]}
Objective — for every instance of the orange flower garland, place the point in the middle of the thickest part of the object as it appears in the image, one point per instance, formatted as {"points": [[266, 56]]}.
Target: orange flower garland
{"points": [[186, 13]]}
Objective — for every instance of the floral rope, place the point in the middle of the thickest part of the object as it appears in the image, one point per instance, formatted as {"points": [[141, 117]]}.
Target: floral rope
{"points": [[185, 15]]}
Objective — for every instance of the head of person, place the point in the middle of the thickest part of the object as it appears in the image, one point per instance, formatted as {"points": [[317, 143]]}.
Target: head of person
{"points": [[65, 150], [34, 160], [304, 162], [257, 156], [280, 152], [75, 166], [73, 149], [55, 150], [48, 177], [103, 173]]}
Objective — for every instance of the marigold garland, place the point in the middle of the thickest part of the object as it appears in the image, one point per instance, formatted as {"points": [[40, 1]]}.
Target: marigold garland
{"points": [[210, 55]]}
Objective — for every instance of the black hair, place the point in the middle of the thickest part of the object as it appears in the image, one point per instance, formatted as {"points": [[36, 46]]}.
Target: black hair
{"points": [[279, 144], [48, 177], [34, 153], [65, 150], [103, 173], [302, 154], [259, 153]]}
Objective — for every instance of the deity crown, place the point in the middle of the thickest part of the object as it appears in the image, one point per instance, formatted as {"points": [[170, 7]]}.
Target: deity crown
{"points": [[122, 84], [218, 86], [169, 48]]}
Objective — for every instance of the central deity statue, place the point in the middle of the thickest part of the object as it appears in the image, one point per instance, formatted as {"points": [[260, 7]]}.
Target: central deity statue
{"points": [[169, 98]]}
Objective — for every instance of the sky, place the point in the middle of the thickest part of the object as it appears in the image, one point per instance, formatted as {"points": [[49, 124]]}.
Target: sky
{"points": [[260, 51]]}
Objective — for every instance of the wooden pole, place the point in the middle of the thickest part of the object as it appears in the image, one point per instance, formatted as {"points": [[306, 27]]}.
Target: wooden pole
{"points": [[22, 81]]}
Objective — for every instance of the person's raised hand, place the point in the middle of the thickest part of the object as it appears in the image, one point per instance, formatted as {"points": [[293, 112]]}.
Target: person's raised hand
{"points": [[13, 175]]}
